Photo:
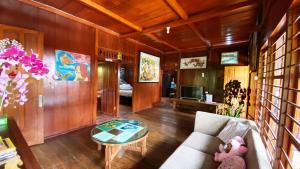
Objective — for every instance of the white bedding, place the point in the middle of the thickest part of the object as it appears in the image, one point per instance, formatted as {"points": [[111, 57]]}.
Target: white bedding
{"points": [[126, 93], [125, 86]]}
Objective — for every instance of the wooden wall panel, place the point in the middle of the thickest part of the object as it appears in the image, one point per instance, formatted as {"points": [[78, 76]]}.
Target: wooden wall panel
{"points": [[144, 94], [170, 62], [110, 45], [213, 79], [67, 105]]}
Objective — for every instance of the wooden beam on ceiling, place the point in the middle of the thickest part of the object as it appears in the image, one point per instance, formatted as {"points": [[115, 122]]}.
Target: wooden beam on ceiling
{"points": [[226, 44], [67, 15], [156, 38], [180, 11], [143, 44], [199, 34], [59, 12], [111, 14], [216, 12], [100, 8], [215, 46]]}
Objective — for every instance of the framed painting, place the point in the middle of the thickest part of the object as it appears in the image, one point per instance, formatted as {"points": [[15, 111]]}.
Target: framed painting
{"points": [[149, 67], [71, 66], [193, 63], [229, 58]]}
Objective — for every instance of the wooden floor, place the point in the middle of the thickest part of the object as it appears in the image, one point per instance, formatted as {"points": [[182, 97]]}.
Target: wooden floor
{"points": [[75, 150]]}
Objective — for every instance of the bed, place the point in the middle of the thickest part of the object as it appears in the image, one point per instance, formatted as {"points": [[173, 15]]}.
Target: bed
{"points": [[125, 90]]}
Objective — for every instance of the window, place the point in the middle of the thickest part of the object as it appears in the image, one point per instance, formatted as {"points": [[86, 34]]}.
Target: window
{"points": [[271, 81], [278, 95], [290, 156]]}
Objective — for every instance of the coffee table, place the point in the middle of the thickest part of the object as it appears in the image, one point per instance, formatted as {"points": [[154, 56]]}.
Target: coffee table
{"points": [[120, 134]]}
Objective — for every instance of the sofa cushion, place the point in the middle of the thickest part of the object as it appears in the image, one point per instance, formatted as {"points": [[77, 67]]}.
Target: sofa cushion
{"points": [[186, 157], [233, 128], [256, 158], [203, 142]]}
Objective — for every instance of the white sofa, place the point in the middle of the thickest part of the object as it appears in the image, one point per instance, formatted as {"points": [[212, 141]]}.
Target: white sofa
{"points": [[197, 151]]}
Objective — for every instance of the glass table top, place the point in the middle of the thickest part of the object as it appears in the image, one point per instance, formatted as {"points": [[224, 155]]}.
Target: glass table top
{"points": [[119, 131]]}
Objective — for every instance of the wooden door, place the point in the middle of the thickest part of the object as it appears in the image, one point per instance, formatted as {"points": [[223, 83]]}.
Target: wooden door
{"points": [[108, 81], [29, 117], [240, 73]]}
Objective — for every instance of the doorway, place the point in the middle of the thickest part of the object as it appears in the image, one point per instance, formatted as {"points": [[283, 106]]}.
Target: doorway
{"points": [[107, 90], [126, 87]]}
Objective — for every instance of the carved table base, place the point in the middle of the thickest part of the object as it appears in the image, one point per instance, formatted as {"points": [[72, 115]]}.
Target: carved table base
{"points": [[111, 150]]}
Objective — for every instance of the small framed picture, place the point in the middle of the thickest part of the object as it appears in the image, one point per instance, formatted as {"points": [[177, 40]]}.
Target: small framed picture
{"points": [[229, 58]]}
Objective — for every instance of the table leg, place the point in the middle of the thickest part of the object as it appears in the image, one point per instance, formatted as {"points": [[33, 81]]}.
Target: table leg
{"points": [[99, 147], [174, 105], [144, 146], [108, 153]]}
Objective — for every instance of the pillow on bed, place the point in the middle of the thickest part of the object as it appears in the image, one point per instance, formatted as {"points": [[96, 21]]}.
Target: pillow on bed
{"points": [[125, 87]]}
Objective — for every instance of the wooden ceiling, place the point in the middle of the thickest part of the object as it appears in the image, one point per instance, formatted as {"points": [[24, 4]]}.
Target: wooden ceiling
{"points": [[195, 24]]}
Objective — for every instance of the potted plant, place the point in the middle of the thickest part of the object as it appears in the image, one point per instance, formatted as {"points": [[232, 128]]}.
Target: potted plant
{"points": [[234, 98], [16, 66]]}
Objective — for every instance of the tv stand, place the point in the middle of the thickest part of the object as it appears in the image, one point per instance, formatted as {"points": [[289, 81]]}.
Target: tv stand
{"points": [[195, 104]]}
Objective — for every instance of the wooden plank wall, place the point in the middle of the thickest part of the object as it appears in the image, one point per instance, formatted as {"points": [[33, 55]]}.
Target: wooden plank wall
{"points": [[71, 105], [130, 50], [213, 80], [67, 105]]}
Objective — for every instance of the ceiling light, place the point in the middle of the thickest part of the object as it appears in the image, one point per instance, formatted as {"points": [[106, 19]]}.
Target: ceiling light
{"points": [[168, 29]]}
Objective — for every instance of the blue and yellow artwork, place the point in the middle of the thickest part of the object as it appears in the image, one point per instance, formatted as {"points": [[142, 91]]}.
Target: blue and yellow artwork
{"points": [[72, 66]]}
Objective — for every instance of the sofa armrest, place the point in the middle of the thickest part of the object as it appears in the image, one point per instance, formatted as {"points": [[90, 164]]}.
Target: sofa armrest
{"points": [[208, 123]]}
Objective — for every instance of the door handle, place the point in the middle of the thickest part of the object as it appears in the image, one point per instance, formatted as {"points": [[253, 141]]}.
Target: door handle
{"points": [[41, 101]]}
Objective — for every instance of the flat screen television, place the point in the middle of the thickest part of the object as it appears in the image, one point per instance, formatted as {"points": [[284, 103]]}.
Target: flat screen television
{"points": [[191, 92]]}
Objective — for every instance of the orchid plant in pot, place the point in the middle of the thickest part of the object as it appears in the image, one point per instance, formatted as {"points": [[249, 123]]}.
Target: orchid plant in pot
{"points": [[16, 67], [235, 97]]}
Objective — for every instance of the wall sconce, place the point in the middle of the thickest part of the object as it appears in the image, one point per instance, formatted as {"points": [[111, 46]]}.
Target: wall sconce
{"points": [[168, 29]]}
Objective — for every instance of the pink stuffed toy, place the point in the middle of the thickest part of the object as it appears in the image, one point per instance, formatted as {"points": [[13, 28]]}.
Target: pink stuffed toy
{"points": [[230, 154]]}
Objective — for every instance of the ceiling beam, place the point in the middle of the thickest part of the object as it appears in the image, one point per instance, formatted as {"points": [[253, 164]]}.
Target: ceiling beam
{"points": [[111, 14], [216, 12], [64, 14], [180, 11], [143, 44], [203, 48], [199, 34], [67, 15], [108, 12], [226, 44], [156, 38]]}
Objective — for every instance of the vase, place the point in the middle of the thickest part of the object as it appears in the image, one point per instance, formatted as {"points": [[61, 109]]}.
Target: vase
{"points": [[3, 119]]}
